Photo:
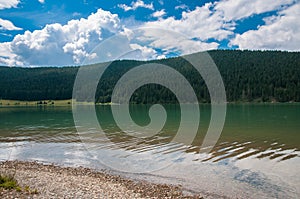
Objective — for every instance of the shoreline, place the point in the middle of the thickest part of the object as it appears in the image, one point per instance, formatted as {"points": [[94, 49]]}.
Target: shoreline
{"points": [[68, 102], [53, 181]]}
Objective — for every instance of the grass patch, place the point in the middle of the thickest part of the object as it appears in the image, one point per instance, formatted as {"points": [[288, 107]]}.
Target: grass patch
{"points": [[9, 182]]}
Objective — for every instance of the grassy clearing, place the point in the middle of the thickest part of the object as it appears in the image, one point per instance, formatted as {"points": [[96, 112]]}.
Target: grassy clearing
{"points": [[36, 103]]}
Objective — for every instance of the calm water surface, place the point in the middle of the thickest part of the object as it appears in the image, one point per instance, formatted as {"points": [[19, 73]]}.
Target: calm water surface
{"points": [[257, 155]]}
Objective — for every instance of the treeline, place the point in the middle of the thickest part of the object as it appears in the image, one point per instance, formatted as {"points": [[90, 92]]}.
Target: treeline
{"points": [[260, 76], [37, 83]]}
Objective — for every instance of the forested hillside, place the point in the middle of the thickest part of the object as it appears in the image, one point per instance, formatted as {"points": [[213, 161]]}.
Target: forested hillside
{"points": [[247, 75]]}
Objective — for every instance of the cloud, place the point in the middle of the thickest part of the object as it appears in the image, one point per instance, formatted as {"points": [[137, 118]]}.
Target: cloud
{"points": [[159, 13], [185, 35], [8, 25], [141, 52], [7, 57], [58, 44], [125, 7], [6, 34], [200, 23], [182, 7], [76, 14], [280, 32], [41, 1], [136, 5], [8, 4], [171, 42], [239, 9]]}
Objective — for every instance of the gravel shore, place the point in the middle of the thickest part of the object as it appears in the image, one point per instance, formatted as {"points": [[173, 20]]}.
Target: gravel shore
{"points": [[52, 181]]}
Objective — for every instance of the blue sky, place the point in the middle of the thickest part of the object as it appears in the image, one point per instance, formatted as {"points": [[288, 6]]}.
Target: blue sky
{"points": [[51, 32]]}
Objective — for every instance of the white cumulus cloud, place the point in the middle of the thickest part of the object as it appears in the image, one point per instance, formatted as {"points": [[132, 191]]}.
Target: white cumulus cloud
{"points": [[7, 57], [169, 41], [8, 4], [135, 5], [41, 1], [200, 23], [280, 32], [239, 9], [159, 13], [8, 25], [58, 44]]}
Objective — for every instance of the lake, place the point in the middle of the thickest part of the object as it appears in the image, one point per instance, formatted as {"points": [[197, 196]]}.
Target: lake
{"points": [[256, 156]]}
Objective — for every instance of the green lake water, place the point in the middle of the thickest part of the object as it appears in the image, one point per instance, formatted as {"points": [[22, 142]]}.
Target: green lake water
{"points": [[256, 156]]}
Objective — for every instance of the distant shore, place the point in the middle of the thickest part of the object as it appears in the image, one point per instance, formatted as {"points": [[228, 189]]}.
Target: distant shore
{"points": [[68, 102], [52, 181], [36, 103]]}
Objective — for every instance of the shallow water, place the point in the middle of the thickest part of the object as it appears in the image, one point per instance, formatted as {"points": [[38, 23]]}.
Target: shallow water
{"points": [[257, 155]]}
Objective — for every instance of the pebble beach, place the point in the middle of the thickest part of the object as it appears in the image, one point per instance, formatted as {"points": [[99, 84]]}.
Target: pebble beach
{"points": [[52, 181]]}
